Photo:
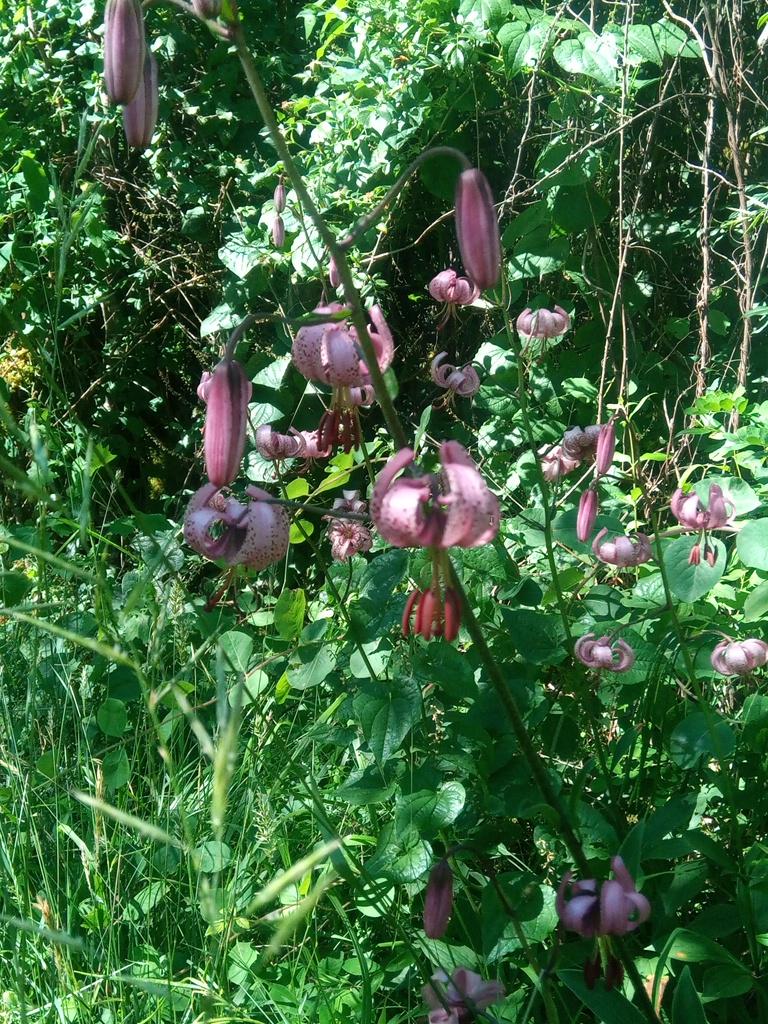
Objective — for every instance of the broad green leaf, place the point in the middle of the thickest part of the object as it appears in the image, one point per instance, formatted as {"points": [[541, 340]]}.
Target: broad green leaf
{"points": [[237, 648], [36, 181], [429, 811], [690, 582], [452, 671], [610, 1007], [686, 1003], [241, 255], [112, 718], [693, 948], [400, 857], [212, 856], [695, 736], [522, 44], [485, 12], [14, 587], [752, 544], [117, 769], [756, 605], [537, 636], [387, 713], [310, 666], [289, 613], [591, 55]]}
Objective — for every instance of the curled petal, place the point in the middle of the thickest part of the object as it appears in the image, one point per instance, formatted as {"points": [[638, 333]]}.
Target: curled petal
{"points": [[398, 507], [739, 657], [339, 357], [613, 909], [382, 339], [362, 396], [271, 445], [266, 539], [717, 509], [626, 656], [543, 323], [448, 287], [472, 518]]}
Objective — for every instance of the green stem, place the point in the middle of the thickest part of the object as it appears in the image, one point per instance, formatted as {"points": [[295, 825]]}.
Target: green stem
{"points": [[351, 294]]}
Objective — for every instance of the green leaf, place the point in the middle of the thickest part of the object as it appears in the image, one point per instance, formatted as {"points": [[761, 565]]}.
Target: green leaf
{"points": [[429, 811], [401, 857], [213, 856], [451, 670], [485, 12], [590, 55], [289, 613], [369, 786], [240, 255], [686, 1004], [237, 649], [578, 207], [693, 948], [14, 587], [756, 605], [693, 737], [737, 491], [752, 544], [537, 636], [310, 666], [36, 181], [610, 1007], [690, 582], [522, 45], [112, 718], [117, 769], [387, 714]]}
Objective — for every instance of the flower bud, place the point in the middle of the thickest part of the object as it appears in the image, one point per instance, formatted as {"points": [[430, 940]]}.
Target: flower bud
{"points": [[140, 115], [226, 393], [278, 232], [606, 446], [695, 556], [477, 228], [208, 9], [587, 514], [333, 274], [438, 902], [280, 197], [124, 49]]}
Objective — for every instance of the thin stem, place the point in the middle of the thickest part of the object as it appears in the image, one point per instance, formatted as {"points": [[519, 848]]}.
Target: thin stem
{"points": [[529, 752], [316, 510], [351, 294], [370, 218]]}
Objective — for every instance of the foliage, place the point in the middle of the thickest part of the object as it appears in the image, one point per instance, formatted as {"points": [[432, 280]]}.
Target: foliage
{"points": [[225, 804]]}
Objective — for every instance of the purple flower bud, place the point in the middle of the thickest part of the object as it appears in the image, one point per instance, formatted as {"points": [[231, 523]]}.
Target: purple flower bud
{"points": [[226, 393], [208, 9], [477, 228], [333, 274], [278, 232], [140, 115], [606, 446], [280, 197], [587, 514], [438, 902], [124, 49]]}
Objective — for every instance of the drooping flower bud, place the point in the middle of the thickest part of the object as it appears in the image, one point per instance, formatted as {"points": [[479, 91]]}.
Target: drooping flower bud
{"points": [[278, 232], [209, 9], [226, 392], [124, 49], [140, 115], [333, 274], [280, 197], [606, 447], [477, 228], [587, 514], [739, 657], [438, 902]]}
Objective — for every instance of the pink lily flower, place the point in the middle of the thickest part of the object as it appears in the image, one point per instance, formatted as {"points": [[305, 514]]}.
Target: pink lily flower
{"points": [[347, 536], [555, 463], [617, 908], [331, 353], [453, 291], [254, 535], [691, 514], [739, 657], [603, 653], [456, 999], [622, 551], [296, 444], [543, 323], [464, 382], [454, 508]]}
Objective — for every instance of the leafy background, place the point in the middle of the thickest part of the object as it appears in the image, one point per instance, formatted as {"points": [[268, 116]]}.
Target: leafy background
{"points": [[231, 742]]}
